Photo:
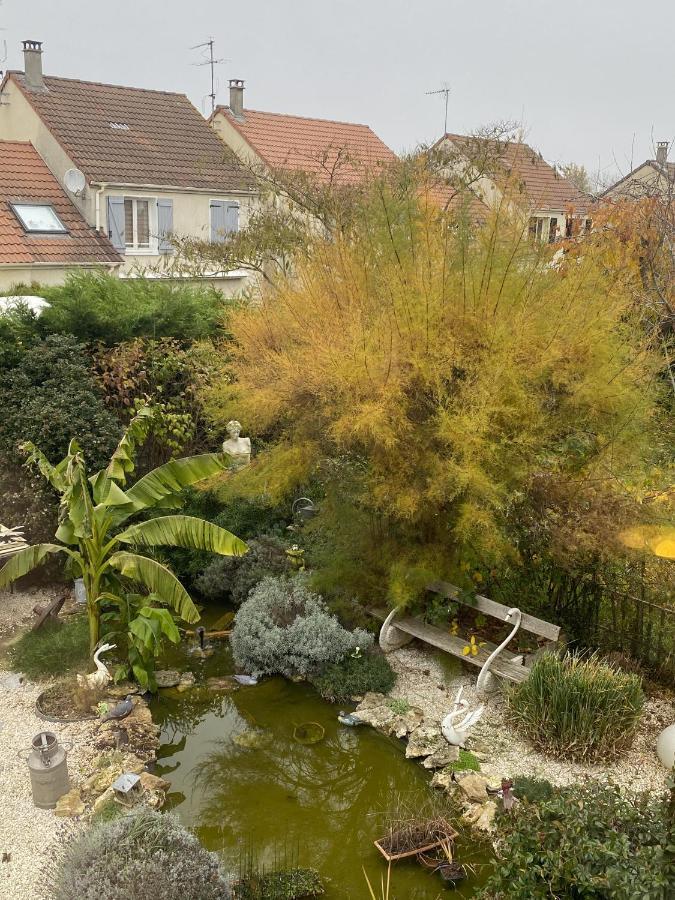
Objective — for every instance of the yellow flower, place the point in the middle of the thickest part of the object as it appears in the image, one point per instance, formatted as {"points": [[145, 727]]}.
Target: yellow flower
{"points": [[473, 646]]}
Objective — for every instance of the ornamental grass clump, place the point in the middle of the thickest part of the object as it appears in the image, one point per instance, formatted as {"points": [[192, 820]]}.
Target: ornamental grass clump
{"points": [[283, 628], [578, 706]]}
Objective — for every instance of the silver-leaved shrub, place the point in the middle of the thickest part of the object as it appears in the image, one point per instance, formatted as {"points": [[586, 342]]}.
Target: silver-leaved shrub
{"points": [[284, 628]]}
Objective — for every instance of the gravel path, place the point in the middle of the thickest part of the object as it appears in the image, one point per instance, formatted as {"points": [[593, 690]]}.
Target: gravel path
{"points": [[28, 834], [423, 681]]}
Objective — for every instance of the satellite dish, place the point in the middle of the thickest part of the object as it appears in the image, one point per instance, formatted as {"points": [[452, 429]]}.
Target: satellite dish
{"points": [[74, 181]]}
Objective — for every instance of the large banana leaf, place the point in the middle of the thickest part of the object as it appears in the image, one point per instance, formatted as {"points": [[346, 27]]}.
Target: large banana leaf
{"points": [[183, 531], [26, 560], [55, 475], [160, 485], [123, 460], [158, 579]]}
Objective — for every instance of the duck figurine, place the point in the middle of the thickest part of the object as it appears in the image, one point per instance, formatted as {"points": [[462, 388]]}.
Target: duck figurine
{"points": [[101, 677], [457, 732]]}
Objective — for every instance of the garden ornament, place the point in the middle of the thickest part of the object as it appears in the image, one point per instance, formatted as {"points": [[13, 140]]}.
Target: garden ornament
{"points": [[236, 447], [120, 710], [486, 681], [458, 733], [506, 794], [391, 638], [246, 679], [665, 747], [345, 718], [101, 676]]}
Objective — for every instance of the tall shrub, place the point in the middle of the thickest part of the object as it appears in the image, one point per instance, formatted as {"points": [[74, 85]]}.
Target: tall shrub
{"points": [[426, 374], [578, 706]]}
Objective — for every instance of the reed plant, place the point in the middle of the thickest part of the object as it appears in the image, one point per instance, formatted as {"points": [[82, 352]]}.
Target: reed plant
{"points": [[578, 706]]}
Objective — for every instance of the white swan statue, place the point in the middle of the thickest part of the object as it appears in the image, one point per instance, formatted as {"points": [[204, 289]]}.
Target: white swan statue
{"points": [[101, 676], [458, 733], [392, 638], [486, 680]]}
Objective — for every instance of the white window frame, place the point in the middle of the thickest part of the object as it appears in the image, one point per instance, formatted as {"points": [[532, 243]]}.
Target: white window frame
{"points": [[152, 248]]}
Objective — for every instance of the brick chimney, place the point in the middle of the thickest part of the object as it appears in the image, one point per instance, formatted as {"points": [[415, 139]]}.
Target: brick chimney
{"points": [[32, 64], [662, 152], [237, 97]]}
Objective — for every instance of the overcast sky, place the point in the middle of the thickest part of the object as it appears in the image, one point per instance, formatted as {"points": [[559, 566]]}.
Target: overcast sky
{"points": [[591, 80]]}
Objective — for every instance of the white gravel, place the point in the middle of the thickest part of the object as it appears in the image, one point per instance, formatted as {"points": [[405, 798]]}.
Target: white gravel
{"points": [[424, 682], [28, 834]]}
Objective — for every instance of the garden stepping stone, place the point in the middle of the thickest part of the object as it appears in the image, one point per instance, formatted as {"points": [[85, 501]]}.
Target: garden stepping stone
{"points": [[167, 678]]}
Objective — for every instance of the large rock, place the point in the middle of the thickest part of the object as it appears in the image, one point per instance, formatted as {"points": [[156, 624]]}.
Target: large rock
{"points": [[69, 805], [426, 740], [222, 683], [443, 780], [167, 678], [442, 757], [187, 680], [152, 782], [481, 815], [474, 788], [376, 710]]}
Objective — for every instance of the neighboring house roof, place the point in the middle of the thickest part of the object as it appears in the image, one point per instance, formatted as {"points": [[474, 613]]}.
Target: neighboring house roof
{"points": [[337, 151], [544, 187], [123, 135], [661, 170], [25, 178]]}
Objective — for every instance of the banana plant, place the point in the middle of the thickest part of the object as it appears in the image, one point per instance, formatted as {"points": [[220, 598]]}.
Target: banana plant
{"points": [[94, 531]]}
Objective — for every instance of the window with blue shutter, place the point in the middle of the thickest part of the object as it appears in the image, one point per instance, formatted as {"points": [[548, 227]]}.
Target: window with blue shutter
{"points": [[116, 222], [164, 225], [224, 219]]}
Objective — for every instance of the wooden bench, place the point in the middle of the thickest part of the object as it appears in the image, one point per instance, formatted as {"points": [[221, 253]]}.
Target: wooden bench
{"points": [[514, 667]]}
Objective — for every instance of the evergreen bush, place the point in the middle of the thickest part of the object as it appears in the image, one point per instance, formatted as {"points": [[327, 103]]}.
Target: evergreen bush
{"points": [[353, 676], [283, 628], [584, 841], [233, 578], [578, 706], [144, 856]]}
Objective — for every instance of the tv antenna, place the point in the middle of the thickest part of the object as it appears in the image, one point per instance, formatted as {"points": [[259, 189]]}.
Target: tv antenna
{"points": [[209, 60], [444, 90]]}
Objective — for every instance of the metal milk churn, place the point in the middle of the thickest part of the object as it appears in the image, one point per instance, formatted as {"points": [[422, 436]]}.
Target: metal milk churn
{"points": [[48, 769]]}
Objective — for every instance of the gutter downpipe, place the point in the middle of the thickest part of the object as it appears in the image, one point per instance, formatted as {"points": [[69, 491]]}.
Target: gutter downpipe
{"points": [[102, 187]]}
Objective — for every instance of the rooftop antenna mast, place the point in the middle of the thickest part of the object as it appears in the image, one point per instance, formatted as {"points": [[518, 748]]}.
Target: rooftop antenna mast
{"points": [[209, 60], [444, 90]]}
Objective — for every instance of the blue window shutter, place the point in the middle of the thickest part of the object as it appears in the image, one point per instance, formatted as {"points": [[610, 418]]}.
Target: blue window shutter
{"points": [[164, 225], [116, 222], [218, 222], [232, 218]]}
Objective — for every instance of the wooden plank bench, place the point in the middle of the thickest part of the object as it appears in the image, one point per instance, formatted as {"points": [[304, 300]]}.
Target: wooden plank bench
{"points": [[514, 667]]}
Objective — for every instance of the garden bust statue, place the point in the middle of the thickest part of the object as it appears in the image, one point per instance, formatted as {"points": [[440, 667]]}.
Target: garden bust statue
{"points": [[237, 447]]}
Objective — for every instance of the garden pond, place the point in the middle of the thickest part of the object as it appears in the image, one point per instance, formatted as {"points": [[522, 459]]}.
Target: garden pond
{"points": [[247, 787]]}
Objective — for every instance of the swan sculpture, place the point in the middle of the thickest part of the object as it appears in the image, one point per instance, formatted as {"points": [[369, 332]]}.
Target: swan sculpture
{"points": [[101, 676], [458, 733], [486, 681]]}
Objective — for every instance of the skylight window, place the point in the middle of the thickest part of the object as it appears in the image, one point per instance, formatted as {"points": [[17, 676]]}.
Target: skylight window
{"points": [[39, 218], [119, 126]]}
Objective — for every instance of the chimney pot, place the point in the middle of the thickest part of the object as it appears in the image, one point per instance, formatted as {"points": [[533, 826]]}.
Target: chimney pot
{"points": [[237, 97], [32, 64], [662, 152]]}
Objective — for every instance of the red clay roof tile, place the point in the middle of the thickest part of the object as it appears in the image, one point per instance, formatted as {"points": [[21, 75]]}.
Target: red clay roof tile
{"points": [[24, 177], [337, 151]]}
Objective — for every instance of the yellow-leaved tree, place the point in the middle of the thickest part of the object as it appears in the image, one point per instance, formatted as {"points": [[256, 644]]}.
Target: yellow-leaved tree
{"points": [[425, 377]]}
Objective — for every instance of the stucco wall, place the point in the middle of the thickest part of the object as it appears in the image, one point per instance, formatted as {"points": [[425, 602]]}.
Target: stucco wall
{"points": [[50, 275], [645, 181]]}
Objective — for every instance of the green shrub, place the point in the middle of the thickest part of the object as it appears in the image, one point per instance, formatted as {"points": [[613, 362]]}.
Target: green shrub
{"points": [[19, 330], [101, 307], [144, 856], [57, 648], [353, 676], [291, 884], [578, 706], [232, 578], [286, 629], [50, 397], [584, 841], [533, 790]]}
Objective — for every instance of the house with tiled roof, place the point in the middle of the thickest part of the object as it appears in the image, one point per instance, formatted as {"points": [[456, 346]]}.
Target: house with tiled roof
{"points": [[140, 165], [338, 153], [42, 233], [512, 170], [652, 178]]}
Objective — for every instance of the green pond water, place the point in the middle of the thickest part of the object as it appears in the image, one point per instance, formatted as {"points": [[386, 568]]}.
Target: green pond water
{"points": [[242, 782]]}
